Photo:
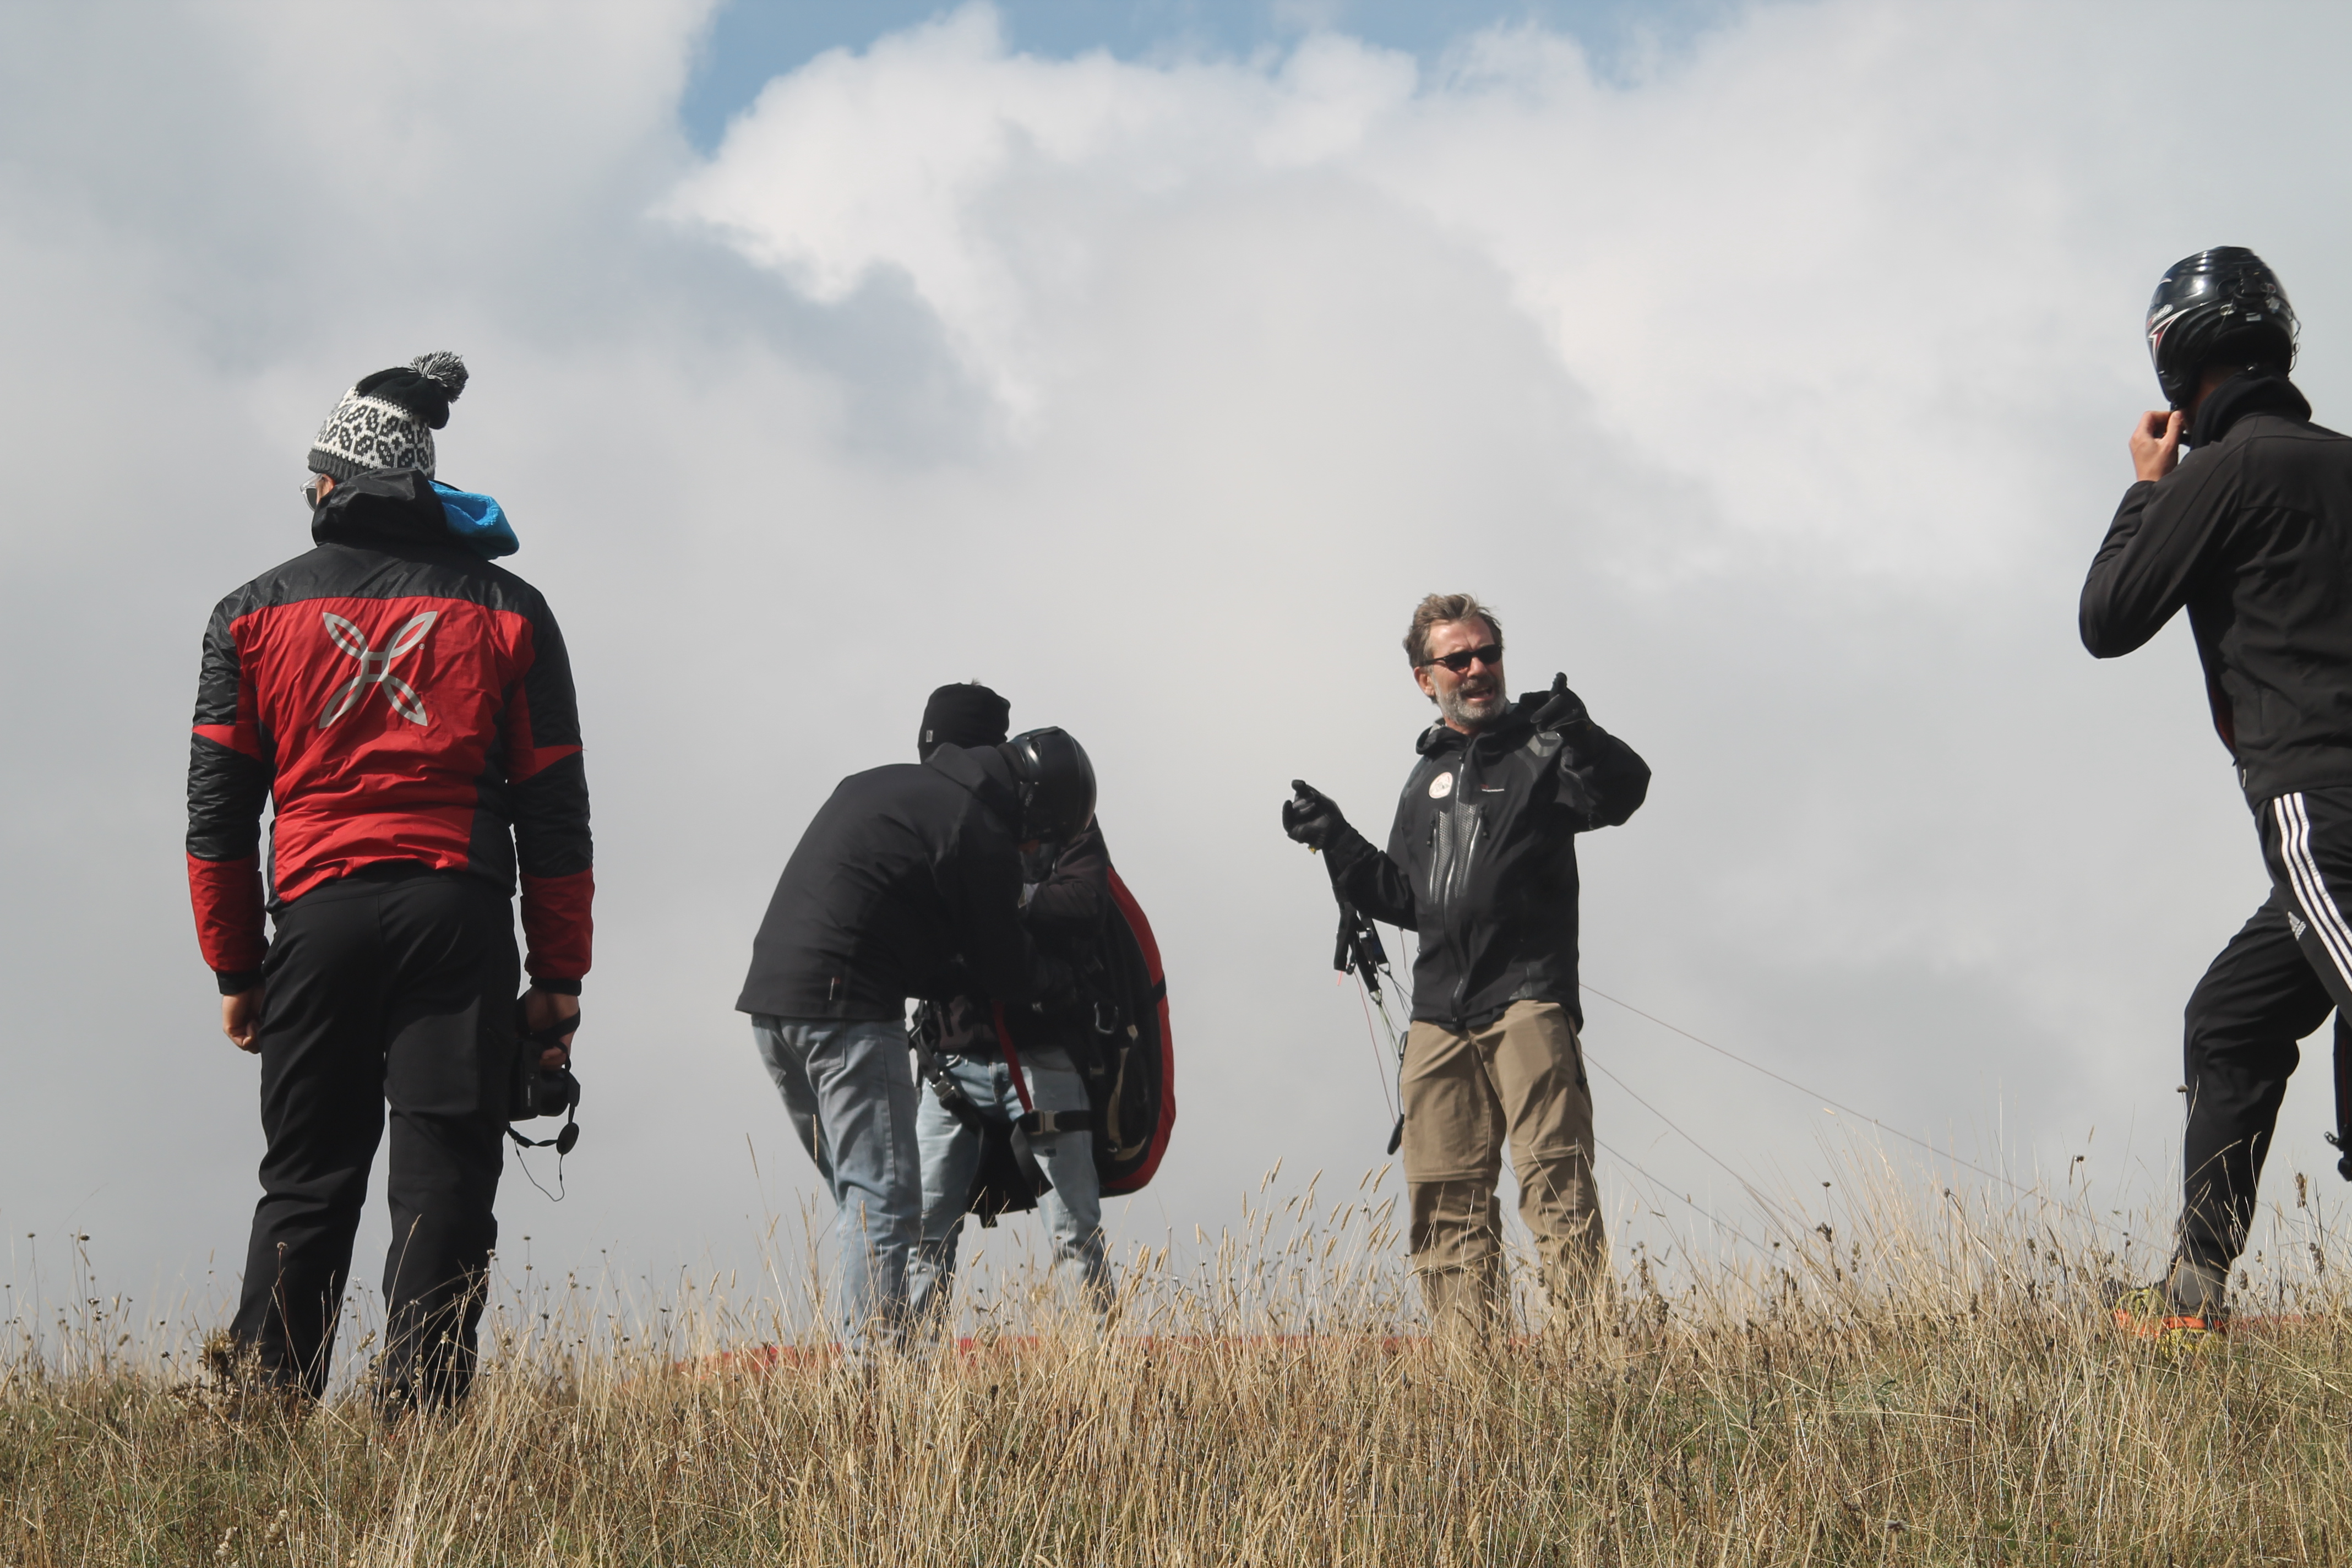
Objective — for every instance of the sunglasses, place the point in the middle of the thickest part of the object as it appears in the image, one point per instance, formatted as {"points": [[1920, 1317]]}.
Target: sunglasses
{"points": [[1490, 655], [310, 490]]}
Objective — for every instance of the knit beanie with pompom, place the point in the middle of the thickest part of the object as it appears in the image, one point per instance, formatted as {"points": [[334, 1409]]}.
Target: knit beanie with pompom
{"points": [[388, 420]]}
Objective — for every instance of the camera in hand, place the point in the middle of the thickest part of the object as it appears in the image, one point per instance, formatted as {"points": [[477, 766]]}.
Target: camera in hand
{"points": [[539, 1091], [542, 1092]]}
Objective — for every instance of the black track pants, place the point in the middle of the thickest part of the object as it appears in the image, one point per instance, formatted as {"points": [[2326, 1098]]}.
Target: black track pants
{"points": [[2271, 986], [395, 988]]}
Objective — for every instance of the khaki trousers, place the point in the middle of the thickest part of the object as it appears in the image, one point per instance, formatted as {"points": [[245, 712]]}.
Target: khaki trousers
{"points": [[1521, 1077]]}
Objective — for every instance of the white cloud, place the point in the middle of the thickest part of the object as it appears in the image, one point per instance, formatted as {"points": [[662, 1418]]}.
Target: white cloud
{"points": [[1776, 397], [1811, 264], [983, 176]]}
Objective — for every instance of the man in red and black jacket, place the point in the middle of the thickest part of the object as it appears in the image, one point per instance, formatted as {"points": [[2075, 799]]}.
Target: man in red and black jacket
{"points": [[408, 709]]}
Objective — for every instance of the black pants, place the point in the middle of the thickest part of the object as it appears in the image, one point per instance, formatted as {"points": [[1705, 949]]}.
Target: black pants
{"points": [[2271, 986], [386, 986]]}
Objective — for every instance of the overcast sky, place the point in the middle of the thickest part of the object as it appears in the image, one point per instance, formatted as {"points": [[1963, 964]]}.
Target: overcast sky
{"points": [[1770, 372]]}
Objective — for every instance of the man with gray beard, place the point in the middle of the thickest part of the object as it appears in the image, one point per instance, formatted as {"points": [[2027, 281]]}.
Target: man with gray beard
{"points": [[1482, 863]]}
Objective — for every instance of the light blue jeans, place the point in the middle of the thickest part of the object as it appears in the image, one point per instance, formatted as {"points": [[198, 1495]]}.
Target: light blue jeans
{"points": [[849, 1089], [1071, 1210]]}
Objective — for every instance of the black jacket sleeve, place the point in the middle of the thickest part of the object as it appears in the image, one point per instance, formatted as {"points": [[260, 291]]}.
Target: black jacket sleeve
{"points": [[1375, 883], [1603, 781], [983, 887], [1069, 904], [550, 794], [228, 783], [2158, 545]]}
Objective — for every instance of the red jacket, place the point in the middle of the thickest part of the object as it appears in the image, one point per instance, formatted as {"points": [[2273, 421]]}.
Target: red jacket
{"points": [[399, 699]]}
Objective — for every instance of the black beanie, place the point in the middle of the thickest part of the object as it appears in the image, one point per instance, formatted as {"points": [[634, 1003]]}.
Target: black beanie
{"points": [[967, 716]]}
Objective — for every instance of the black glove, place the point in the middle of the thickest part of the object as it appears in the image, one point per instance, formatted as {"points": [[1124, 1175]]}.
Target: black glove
{"points": [[1309, 817], [1562, 709]]}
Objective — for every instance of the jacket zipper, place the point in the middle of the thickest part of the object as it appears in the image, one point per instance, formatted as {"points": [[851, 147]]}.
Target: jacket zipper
{"points": [[1462, 792]]}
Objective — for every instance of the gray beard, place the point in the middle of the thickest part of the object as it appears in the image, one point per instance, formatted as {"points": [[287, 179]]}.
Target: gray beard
{"points": [[1474, 713]]}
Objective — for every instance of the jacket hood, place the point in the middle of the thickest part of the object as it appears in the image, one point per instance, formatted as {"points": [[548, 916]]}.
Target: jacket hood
{"points": [[2249, 392], [984, 772], [394, 505]]}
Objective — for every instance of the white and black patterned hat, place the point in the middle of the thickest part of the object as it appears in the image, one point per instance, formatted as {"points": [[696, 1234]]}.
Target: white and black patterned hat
{"points": [[388, 420]]}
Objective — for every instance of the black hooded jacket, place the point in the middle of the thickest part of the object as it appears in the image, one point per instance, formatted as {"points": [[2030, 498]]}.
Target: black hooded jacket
{"points": [[1482, 859], [2253, 533], [906, 883]]}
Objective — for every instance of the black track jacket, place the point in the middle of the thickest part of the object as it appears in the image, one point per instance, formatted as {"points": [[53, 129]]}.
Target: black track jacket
{"points": [[1482, 859], [2254, 534], [906, 883]]}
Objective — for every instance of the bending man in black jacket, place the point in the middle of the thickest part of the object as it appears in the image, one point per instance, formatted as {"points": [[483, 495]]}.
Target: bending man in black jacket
{"points": [[2253, 533], [905, 884], [1482, 863]]}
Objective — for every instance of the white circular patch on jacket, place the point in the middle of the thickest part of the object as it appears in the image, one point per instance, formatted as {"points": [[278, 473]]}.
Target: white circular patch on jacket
{"points": [[1441, 787]]}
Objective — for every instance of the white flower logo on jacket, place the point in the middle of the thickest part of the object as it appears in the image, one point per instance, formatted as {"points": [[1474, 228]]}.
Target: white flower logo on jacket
{"points": [[375, 669]]}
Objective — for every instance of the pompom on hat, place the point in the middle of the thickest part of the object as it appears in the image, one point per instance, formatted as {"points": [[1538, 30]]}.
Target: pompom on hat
{"points": [[388, 420]]}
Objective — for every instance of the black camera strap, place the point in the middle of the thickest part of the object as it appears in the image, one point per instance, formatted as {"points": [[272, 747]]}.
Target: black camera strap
{"points": [[552, 1039], [563, 1142]]}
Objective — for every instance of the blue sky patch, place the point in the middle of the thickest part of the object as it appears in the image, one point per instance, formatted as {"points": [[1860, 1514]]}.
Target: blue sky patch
{"points": [[753, 41]]}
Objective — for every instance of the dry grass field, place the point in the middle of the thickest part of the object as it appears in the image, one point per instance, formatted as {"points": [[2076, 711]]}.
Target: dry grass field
{"points": [[1937, 1386]]}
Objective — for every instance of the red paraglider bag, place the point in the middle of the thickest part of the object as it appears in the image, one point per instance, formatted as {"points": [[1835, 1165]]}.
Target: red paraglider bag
{"points": [[1131, 1078]]}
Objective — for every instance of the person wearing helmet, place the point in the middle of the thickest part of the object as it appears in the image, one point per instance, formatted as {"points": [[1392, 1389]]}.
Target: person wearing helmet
{"points": [[1045, 1120], [906, 885], [406, 707], [2242, 513], [1481, 861]]}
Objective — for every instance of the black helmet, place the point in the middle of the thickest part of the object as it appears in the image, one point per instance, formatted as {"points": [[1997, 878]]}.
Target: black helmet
{"points": [[2222, 303], [1057, 783]]}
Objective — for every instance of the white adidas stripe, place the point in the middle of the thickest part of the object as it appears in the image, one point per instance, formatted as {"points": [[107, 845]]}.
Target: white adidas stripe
{"points": [[2310, 888]]}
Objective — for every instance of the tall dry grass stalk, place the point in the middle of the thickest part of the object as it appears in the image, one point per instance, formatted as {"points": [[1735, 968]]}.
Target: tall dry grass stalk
{"points": [[1917, 1376]]}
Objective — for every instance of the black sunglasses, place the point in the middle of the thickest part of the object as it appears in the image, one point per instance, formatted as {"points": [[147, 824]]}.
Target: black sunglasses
{"points": [[1490, 655]]}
